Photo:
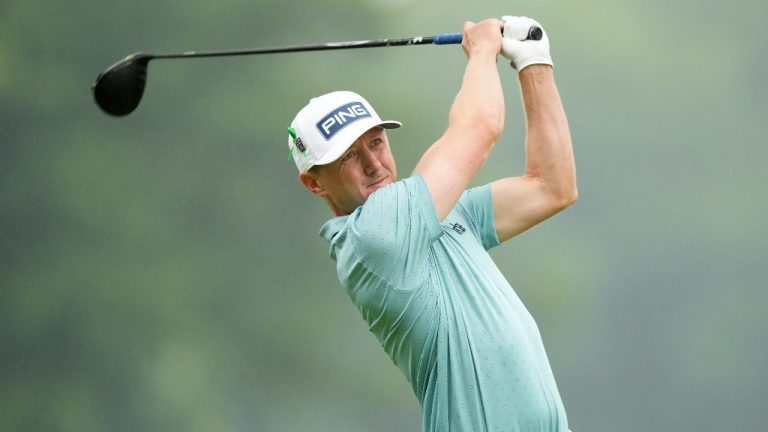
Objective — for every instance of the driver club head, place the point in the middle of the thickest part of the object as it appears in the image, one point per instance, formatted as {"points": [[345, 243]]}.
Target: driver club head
{"points": [[118, 89]]}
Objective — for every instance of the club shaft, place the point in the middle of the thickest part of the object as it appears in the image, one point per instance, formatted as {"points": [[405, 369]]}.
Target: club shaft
{"points": [[440, 39]]}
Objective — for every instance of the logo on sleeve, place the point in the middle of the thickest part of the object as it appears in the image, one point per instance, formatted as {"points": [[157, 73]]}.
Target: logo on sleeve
{"points": [[340, 118], [457, 227]]}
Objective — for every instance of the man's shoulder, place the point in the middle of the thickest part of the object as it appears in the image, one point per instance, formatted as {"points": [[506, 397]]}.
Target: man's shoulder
{"points": [[332, 227], [399, 218], [378, 204]]}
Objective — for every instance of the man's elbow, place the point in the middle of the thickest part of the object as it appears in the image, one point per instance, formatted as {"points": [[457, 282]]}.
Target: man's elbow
{"points": [[492, 128], [570, 197], [565, 198], [486, 127]]}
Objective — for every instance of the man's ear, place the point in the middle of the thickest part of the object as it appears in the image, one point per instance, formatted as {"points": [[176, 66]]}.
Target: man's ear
{"points": [[311, 183]]}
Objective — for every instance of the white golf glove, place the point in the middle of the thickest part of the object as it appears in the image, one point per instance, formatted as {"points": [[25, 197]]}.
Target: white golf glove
{"points": [[523, 52]]}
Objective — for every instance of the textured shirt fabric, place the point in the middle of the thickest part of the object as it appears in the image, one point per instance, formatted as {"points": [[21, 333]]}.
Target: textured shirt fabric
{"points": [[443, 311]]}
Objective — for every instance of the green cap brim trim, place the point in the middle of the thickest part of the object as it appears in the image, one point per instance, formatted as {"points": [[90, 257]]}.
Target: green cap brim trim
{"points": [[292, 133]]}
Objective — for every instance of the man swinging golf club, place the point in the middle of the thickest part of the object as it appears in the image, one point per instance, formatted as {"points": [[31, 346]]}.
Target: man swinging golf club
{"points": [[412, 253]]}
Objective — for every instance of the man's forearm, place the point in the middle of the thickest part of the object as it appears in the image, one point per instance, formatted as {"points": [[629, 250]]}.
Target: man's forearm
{"points": [[549, 148], [479, 105]]}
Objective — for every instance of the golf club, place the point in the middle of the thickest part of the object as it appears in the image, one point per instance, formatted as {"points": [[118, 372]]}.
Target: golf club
{"points": [[118, 90]]}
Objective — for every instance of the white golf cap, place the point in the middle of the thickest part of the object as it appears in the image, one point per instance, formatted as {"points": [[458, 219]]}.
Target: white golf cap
{"points": [[324, 129]]}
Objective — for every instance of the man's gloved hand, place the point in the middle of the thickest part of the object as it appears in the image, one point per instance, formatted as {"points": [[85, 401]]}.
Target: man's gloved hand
{"points": [[523, 52]]}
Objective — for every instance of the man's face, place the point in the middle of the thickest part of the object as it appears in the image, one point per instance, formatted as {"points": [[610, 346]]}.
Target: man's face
{"points": [[347, 182]]}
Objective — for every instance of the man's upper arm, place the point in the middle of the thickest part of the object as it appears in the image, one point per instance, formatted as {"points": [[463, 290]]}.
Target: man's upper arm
{"points": [[519, 203]]}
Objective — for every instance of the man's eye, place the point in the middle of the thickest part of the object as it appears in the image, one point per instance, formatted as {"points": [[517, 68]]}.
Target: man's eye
{"points": [[348, 156]]}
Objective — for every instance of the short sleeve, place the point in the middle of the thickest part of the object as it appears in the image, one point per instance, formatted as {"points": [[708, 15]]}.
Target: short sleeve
{"points": [[392, 232], [476, 205]]}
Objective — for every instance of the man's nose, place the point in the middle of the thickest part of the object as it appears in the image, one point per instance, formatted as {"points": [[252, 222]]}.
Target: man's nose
{"points": [[371, 163]]}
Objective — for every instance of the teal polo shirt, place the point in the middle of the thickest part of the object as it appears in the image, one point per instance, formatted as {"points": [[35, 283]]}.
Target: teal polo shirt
{"points": [[443, 311]]}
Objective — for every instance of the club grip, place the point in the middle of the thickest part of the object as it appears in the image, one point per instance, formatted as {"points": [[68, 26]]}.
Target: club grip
{"points": [[447, 39], [535, 33]]}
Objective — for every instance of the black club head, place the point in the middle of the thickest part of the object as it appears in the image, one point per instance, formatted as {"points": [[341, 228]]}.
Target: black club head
{"points": [[118, 89]]}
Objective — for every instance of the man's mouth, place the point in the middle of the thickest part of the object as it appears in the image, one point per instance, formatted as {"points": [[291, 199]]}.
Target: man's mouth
{"points": [[379, 182]]}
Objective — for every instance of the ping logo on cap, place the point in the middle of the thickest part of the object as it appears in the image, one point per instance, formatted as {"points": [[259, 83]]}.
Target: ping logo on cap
{"points": [[339, 118]]}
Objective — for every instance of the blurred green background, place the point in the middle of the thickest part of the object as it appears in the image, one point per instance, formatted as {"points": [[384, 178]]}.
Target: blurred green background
{"points": [[163, 271]]}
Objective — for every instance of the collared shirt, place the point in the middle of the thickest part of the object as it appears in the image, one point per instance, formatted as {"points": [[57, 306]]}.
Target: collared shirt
{"points": [[443, 311]]}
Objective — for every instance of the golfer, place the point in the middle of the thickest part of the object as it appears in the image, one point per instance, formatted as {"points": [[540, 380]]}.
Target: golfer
{"points": [[411, 253]]}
